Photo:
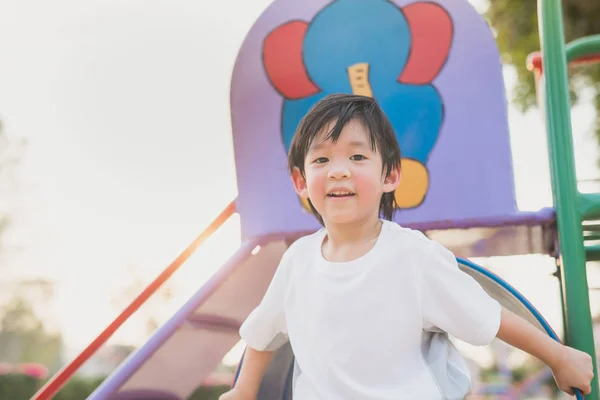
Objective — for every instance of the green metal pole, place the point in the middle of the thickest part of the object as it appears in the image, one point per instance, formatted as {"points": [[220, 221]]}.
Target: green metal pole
{"points": [[583, 47], [562, 166]]}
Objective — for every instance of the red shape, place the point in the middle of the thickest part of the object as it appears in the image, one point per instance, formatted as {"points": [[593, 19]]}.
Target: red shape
{"points": [[282, 58], [431, 31], [33, 370]]}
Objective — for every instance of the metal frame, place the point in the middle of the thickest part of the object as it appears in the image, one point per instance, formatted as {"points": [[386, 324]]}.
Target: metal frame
{"points": [[567, 199]]}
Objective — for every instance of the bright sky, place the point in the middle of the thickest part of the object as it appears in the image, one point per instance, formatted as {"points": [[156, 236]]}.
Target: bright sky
{"points": [[125, 105]]}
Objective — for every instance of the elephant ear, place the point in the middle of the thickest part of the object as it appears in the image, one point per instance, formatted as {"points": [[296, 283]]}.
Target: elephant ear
{"points": [[282, 59], [431, 30]]}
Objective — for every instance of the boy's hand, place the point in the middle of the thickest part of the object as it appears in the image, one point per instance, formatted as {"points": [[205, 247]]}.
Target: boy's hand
{"points": [[236, 394], [573, 369]]}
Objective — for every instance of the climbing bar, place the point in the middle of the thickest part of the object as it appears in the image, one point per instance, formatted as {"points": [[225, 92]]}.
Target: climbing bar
{"points": [[589, 206], [557, 104], [591, 236], [581, 51], [584, 50], [592, 253]]}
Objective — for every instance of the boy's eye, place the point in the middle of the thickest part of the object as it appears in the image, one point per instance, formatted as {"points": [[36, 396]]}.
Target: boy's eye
{"points": [[358, 157], [320, 160]]}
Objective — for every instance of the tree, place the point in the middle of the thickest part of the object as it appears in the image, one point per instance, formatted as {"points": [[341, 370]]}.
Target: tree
{"points": [[23, 337], [515, 23]]}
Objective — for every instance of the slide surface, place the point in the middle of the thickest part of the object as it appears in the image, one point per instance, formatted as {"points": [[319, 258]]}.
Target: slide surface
{"points": [[184, 351]]}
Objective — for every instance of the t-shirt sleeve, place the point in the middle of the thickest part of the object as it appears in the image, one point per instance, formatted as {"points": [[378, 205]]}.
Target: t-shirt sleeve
{"points": [[454, 302], [266, 328]]}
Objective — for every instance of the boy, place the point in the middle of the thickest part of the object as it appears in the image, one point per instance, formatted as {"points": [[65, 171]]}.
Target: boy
{"points": [[355, 297]]}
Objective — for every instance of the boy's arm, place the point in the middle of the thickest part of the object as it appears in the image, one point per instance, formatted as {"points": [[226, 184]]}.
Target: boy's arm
{"points": [[571, 368], [253, 369]]}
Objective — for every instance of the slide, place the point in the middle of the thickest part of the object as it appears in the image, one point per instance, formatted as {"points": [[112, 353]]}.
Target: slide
{"points": [[191, 344]]}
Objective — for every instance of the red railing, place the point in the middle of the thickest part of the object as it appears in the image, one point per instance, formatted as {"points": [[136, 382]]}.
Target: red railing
{"points": [[62, 376], [534, 61], [581, 51]]}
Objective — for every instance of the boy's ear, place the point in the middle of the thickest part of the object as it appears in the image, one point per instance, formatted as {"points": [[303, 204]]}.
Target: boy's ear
{"points": [[299, 183], [391, 182]]}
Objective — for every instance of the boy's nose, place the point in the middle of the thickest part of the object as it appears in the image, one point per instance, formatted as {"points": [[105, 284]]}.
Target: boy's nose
{"points": [[339, 171]]}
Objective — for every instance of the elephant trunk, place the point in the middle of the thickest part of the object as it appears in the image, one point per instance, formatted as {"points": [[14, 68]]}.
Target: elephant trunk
{"points": [[358, 74]]}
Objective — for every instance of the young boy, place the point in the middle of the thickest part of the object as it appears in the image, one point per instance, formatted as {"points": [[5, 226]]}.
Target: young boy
{"points": [[354, 298]]}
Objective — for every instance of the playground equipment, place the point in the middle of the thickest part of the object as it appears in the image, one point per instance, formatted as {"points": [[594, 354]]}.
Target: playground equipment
{"points": [[435, 69]]}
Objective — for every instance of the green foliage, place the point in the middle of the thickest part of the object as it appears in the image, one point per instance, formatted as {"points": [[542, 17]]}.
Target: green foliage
{"points": [[78, 388], [23, 337], [515, 23], [208, 393], [17, 387], [21, 387]]}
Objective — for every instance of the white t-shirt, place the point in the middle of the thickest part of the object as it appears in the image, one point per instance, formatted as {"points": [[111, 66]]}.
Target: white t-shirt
{"points": [[356, 327]]}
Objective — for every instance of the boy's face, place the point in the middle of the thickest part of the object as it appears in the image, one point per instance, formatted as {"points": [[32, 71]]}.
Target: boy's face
{"points": [[345, 180]]}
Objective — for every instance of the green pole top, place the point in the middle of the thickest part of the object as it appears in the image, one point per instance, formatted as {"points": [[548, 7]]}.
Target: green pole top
{"points": [[584, 47]]}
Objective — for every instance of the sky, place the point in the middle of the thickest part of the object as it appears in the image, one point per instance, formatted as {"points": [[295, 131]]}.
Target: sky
{"points": [[125, 109]]}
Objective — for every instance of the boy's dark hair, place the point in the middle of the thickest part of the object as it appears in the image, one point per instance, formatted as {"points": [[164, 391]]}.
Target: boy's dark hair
{"points": [[344, 108]]}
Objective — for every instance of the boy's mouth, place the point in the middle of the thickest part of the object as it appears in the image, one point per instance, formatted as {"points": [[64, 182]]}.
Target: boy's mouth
{"points": [[340, 193]]}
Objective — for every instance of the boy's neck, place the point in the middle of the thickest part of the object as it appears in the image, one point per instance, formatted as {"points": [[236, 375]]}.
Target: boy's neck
{"points": [[344, 237]]}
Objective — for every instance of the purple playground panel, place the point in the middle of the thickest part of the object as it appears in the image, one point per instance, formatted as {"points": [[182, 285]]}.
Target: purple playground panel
{"points": [[462, 140]]}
